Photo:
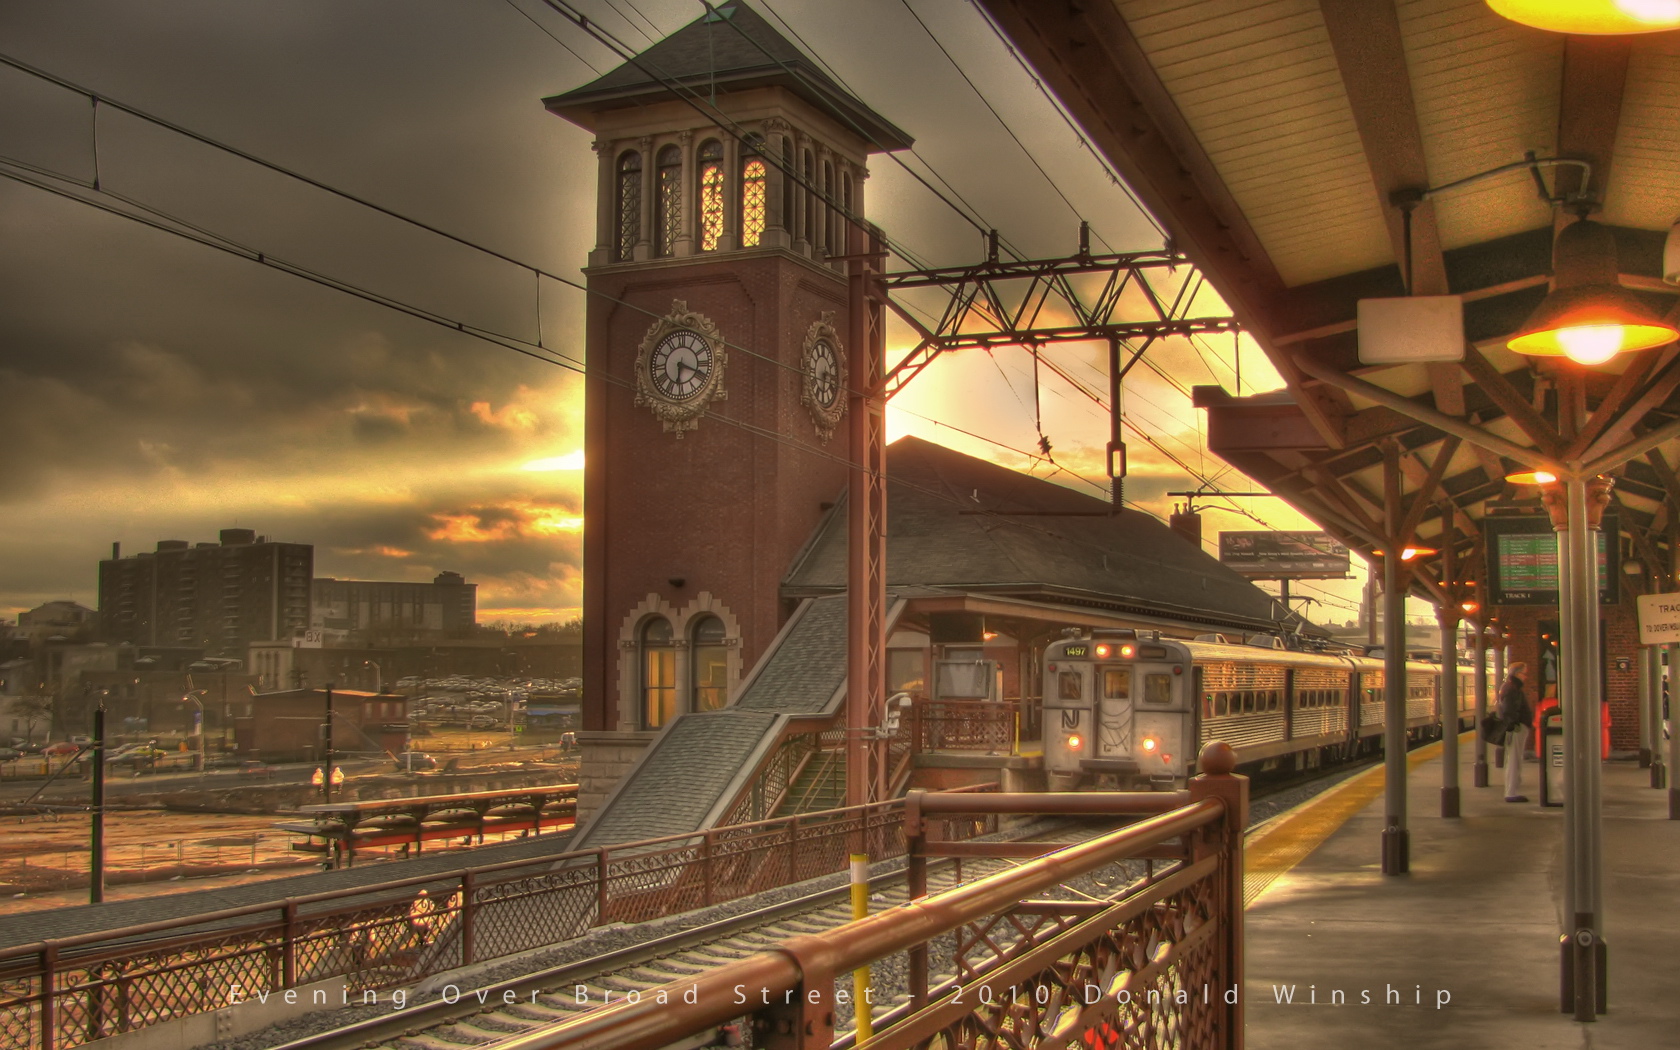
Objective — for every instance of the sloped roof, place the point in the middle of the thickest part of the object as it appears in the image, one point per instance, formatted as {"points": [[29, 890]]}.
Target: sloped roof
{"points": [[957, 522], [731, 49]]}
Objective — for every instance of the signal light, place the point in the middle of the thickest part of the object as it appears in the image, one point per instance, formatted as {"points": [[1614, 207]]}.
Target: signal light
{"points": [[1074, 743], [1166, 758], [1102, 652], [1127, 651], [1149, 743]]}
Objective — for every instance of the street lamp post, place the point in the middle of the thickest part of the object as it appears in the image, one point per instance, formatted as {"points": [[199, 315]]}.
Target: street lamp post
{"points": [[198, 723], [378, 675]]}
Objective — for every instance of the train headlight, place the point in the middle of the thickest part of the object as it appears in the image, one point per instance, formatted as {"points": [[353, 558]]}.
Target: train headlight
{"points": [[1127, 651], [1102, 652], [1074, 742], [1149, 744]]}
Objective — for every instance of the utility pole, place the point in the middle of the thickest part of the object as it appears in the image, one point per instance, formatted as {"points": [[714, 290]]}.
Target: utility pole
{"points": [[327, 751], [96, 850]]}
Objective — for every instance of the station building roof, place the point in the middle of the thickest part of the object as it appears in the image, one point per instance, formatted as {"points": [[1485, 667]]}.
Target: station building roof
{"points": [[959, 524]]}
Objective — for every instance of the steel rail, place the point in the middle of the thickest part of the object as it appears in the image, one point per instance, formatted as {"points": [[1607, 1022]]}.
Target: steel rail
{"points": [[649, 1025]]}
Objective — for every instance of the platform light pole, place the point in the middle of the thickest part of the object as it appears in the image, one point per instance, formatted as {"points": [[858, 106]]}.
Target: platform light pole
{"points": [[1396, 847], [96, 836], [1479, 771], [1447, 613]]}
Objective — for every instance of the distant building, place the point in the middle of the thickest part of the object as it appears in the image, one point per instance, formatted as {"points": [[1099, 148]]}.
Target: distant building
{"points": [[389, 612], [64, 620], [287, 726], [220, 596]]}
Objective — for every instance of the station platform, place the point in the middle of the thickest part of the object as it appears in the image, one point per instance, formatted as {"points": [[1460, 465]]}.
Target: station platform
{"points": [[1468, 940]]}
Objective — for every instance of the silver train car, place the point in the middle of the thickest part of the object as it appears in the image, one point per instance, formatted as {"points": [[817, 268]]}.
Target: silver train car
{"points": [[1126, 710]]}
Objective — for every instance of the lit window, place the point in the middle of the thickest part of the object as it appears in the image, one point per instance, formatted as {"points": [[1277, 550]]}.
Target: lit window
{"points": [[711, 195], [659, 674], [711, 665], [667, 217], [629, 205], [753, 185]]}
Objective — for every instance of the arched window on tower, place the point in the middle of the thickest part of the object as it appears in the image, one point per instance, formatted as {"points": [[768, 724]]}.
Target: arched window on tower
{"points": [[809, 229], [659, 673], [629, 205], [828, 208], [711, 194], [844, 225], [667, 216], [754, 185], [710, 671], [788, 219]]}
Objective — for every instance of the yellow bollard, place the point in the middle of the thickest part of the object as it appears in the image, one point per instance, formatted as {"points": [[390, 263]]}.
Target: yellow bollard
{"points": [[860, 976]]}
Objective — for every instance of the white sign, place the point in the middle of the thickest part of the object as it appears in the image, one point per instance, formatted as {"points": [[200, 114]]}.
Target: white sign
{"points": [[1659, 619], [311, 639]]}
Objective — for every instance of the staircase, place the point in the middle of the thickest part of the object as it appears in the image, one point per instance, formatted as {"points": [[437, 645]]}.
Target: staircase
{"points": [[820, 784]]}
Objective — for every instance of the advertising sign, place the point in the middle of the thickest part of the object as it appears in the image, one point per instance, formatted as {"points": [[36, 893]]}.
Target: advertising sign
{"points": [[1659, 618], [1523, 560], [1277, 555]]}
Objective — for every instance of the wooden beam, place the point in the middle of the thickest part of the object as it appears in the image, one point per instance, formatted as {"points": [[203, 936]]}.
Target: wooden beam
{"points": [[1492, 383], [1638, 370], [1425, 495], [1655, 393], [1590, 108]]}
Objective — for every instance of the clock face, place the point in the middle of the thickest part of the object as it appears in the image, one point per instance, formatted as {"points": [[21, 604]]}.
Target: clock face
{"points": [[680, 364], [825, 373]]}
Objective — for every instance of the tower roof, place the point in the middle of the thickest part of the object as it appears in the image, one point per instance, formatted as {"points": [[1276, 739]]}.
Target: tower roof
{"points": [[730, 48]]}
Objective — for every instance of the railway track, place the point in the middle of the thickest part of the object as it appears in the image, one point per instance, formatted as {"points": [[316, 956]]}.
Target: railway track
{"points": [[487, 1013]]}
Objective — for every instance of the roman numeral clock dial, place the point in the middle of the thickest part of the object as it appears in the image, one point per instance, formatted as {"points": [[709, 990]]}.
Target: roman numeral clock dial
{"points": [[679, 368], [824, 366]]}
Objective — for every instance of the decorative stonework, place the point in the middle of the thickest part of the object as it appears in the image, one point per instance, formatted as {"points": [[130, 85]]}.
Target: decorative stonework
{"points": [[679, 368], [682, 623], [822, 365]]}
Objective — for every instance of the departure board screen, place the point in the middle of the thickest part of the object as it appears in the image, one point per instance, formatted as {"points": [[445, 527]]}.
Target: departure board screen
{"points": [[1523, 561]]}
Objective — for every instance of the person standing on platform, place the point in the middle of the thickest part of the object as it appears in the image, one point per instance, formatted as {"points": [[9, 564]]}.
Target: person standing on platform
{"points": [[1516, 712]]}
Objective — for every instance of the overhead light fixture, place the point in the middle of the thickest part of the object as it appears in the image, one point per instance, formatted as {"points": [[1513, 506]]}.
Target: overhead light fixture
{"points": [[1594, 17], [1532, 477], [1588, 317], [1410, 553], [1469, 606]]}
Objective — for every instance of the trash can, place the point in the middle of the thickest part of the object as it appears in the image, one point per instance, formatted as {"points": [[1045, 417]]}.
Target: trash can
{"points": [[1551, 758]]}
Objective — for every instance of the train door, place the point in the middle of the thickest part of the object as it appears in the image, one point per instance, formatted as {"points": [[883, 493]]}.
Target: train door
{"points": [[1114, 713]]}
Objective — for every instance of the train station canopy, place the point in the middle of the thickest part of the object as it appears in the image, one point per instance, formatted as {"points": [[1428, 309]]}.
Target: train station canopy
{"points": [[1308, 153]]}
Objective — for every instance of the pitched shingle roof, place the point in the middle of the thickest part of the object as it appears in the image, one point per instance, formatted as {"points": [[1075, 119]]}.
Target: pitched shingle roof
{"points": [[730, 50], [961, 523]]}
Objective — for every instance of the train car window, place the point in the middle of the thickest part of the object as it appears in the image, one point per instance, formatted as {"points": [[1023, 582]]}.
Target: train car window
{"points": [[1220, 704], [1117, 683], [1248, 701], [1157, 688], [1070, 685], [1277, 700], [1151, 652]]}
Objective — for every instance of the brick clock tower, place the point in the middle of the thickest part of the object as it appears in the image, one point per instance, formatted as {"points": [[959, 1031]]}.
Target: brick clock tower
{"points": [[716, 350]]}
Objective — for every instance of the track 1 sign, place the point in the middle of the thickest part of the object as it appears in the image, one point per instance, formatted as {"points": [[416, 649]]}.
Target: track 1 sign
{"points": [[1659, 619]]}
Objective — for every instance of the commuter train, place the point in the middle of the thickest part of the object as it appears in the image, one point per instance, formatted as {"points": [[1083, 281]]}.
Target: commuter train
{"points": [[1127, 710]]}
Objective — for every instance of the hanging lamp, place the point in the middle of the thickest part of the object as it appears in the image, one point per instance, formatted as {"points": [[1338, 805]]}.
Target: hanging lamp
{"points": [[1593, 17], [1588, 317]]}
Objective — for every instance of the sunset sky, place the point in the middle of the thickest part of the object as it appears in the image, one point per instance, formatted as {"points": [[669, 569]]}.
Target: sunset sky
{"points": [[153, 388]]}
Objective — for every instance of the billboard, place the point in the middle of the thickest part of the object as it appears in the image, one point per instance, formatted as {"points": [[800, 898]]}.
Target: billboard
{"points": [[1276, 555], [1523, 560]]}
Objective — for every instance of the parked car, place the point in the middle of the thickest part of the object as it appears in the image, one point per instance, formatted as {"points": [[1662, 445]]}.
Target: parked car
{"points": [[417, 762], [222, 762], [63, 747], [7, 754], [30, 748], [253, 768]]}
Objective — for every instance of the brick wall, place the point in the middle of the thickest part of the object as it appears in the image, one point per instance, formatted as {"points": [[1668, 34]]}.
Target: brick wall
{"points": [[1621, 640]]}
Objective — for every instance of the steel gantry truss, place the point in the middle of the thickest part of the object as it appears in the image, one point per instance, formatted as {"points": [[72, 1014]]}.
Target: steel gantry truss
{"points": [[1077, 298]]}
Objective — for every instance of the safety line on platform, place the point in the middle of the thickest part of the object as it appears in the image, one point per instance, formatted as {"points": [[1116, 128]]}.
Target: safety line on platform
{"points": [[1291, 838]]}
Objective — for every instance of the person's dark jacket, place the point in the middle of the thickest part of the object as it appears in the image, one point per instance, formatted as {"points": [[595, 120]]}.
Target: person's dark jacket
{"points": [[1513, 706]]}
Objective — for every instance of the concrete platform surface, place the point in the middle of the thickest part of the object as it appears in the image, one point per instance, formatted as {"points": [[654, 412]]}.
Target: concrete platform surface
{"points": [[1462, 952]]}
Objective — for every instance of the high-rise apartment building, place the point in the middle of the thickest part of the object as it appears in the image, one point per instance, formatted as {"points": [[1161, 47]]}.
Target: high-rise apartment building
{"points": [[221, 596]]}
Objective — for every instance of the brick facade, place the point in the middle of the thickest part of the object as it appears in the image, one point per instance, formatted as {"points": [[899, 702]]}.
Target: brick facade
{"points": [[1522, 624]]}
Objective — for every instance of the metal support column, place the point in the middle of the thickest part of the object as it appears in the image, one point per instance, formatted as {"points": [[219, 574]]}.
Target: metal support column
{"points": [[1583, 945], [96, 837], [1644, 694], [866, 531], [1653, 713], [1396, 849], [1448, 694], [1479, 773]]}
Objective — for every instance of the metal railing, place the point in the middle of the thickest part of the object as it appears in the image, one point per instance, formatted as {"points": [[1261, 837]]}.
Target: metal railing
{"points": [[66, 992], [991, 726], [1157, 964]]}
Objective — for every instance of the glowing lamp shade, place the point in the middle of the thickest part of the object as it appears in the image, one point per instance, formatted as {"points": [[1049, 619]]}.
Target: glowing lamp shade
{"points": [[1532, 477], [1589, 317], [1596, 17]]}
